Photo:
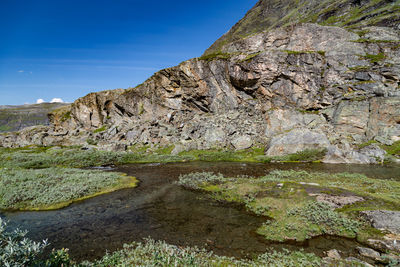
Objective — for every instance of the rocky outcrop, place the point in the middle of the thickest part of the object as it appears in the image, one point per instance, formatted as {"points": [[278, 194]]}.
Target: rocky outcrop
{"points": [[286, 89], [269, 15]]}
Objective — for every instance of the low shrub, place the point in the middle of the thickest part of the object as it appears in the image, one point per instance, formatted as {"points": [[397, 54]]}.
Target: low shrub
{"points": [[158, 253], [55, 187], [322, 215], [195, 180], [16, 250]]}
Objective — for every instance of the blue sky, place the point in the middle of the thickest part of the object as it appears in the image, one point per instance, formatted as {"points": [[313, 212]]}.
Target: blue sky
{"points": [[68, 48]]}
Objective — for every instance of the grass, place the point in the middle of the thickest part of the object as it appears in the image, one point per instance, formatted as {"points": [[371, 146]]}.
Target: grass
{"points": [[158, 253], [307, 155], [363, 145], [39, 161], [45, 157], [101, 129], [5, 128], [360, 68], [393, 150], [374, 58], [293, 214], [54, 188], [215, 56], [251, 56]]}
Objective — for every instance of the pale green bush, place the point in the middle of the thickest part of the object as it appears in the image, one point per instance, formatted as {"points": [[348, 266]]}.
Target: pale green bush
{"points": [[17, 250]]}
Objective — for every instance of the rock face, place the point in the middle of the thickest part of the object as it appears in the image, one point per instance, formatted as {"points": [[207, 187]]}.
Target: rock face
{"points": [[288, 88], [268, 15]]}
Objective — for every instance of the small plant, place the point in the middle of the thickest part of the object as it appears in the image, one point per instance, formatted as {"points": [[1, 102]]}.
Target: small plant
{"points": [[91, 142], [196, 180], [375, 58], [16, 250], [58, 258], [322, 215], [307, 155], [101, 129]]}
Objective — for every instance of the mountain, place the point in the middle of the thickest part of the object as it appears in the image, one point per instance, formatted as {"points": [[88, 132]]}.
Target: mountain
{"points": [[283, 79], [15, 118]]}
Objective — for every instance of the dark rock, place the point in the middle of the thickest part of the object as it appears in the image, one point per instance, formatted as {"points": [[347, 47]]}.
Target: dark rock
{"points": [[362, 76]]}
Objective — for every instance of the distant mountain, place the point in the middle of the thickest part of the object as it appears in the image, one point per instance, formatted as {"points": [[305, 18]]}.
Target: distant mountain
{"points": [[15, 118]]}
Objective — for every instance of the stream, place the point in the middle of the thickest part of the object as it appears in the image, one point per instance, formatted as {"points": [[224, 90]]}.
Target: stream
{"points": [[160, 209]]}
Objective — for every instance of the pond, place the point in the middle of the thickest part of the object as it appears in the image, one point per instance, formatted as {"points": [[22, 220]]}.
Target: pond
{"points": [[160, 209]]}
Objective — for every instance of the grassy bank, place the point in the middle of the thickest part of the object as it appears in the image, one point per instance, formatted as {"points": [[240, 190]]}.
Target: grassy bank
{"points": [[46, 157], [37, 178], [289, 201], [54, 188]]}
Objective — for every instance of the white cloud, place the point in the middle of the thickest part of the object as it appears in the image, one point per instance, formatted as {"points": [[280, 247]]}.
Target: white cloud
{"points": [[57, 100], [21, 71], [39, 101]]}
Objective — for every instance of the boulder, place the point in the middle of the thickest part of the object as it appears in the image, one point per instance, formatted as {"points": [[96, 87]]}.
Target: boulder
{"points": [[335, 155], [369, 253], [214, 136], [384, 219], [242, 142], [333, 254], [374, 152], [295, 141]]}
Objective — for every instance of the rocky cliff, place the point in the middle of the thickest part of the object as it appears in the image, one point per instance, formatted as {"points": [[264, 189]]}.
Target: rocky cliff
{"points": [[290, 87]]}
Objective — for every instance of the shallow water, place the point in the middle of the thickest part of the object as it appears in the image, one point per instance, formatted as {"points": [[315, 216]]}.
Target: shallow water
{"points": [[159, 209]]}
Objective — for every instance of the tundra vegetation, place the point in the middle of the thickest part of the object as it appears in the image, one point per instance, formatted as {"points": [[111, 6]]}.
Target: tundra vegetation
{"points": [[36, 179], [16, 250], [33, 157], [288, 200], [40, 178]]}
